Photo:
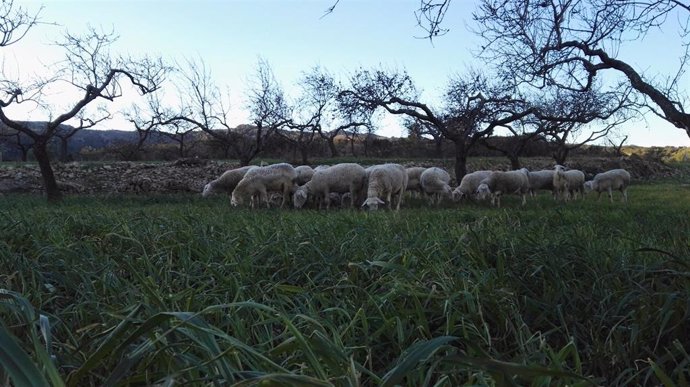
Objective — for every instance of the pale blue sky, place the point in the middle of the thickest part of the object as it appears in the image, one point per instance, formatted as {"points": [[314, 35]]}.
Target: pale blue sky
{"points": [[293, 36]]}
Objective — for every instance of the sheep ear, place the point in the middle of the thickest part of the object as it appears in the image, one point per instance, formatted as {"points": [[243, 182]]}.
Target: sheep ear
{"points": [[379, 201], [365, 203]]}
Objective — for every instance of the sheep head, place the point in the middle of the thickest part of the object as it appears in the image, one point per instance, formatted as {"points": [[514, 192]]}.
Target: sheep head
{"points": [[300, 197], [483, 191], [373, 203], [207, 190]]}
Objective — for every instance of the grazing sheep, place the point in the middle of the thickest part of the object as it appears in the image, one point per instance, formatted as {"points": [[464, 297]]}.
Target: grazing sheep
{"points": [[469, 184], [434, 182], [540, 180], [413, 175], [568, 182], [499, 183], [385, 181], [618, 179], [259, 180], [340, 178], [226, 182], [304, 174]]}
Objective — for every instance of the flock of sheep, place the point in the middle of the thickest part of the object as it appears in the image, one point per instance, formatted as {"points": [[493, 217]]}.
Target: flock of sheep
{"points": [[386, 184]]}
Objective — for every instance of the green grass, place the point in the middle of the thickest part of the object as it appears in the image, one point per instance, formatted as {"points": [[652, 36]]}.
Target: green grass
{"points": [[180, 290]]}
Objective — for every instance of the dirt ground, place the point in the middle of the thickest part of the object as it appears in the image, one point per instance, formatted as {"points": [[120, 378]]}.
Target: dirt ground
{"points": [[190, 175]]}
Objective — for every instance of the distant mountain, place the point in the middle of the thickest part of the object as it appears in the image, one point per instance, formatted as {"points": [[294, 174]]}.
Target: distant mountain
{"points": [[93, 138]]}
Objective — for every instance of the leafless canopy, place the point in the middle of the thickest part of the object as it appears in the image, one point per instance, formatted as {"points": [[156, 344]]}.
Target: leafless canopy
{"points": [[567, 43], [15, 22]]}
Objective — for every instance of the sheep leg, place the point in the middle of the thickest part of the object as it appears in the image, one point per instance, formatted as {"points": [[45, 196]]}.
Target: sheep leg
{"points": [[610, 195], [400, 195], [327, 199]]}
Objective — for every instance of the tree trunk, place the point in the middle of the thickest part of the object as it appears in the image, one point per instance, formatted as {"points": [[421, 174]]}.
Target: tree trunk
{"points": [[514, 162], [460, 160], [560, 155], [332, 147], [53, 193], [304, 152], [438, 142]]}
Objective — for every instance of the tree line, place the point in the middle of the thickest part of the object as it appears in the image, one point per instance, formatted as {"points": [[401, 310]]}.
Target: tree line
{"points": [[545, 57]]}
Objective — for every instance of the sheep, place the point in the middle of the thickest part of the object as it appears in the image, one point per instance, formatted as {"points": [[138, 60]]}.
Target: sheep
{"points": [[434, 182], [540, 180], [340, 178], [385, 181], [413, 174], [566, 183], [499, 183], [304, 174], [618, 179], [259, 180], [469, 184], [226, 182]]}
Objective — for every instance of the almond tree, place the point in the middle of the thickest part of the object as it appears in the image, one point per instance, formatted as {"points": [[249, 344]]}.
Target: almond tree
{"points": [[88, 69], [569, 43], [473, 107], [319, 111], [204, 106]]}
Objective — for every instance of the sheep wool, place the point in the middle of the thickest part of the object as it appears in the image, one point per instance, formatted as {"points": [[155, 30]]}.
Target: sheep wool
{"points": [[615, 179], [413, 175], [385, 181], [499, 183], [226, 182], [435, 183], [259, 180], [469, 184], [568, 182], [340, 178]]}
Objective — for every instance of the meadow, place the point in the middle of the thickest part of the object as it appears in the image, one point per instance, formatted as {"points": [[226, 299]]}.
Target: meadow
{"points": [[177, 290]]}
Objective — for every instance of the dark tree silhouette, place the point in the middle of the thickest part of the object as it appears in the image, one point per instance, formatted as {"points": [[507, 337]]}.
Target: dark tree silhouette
{"points": [[90, 70], [569, 43], [473, 106]]}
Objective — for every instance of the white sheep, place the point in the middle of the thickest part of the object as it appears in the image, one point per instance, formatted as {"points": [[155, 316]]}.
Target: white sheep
{"points": [[340, 178], [304, 174], [413, 175], [259, 180], [568, 182], [499, 183], [226, 182], [469, 184], [385, 181], [618, 179], [540, 180], [435, 183]]}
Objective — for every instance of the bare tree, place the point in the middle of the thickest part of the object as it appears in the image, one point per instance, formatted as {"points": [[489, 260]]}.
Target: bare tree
{"points": [[184, 134], [571, 119], [418, 130], [319, 111], [65, 132], [268, 108], [15, 22], [569, 43], [618, 148], [88, 69], [524, 133], [15, 139], [473, 106]]}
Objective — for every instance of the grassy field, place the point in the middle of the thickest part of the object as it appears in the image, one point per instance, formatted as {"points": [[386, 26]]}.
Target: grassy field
{"points": [[176, 290]]}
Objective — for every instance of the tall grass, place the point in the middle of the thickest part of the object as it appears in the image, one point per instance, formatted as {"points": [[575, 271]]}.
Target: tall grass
{"points": [[179, 290]]}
